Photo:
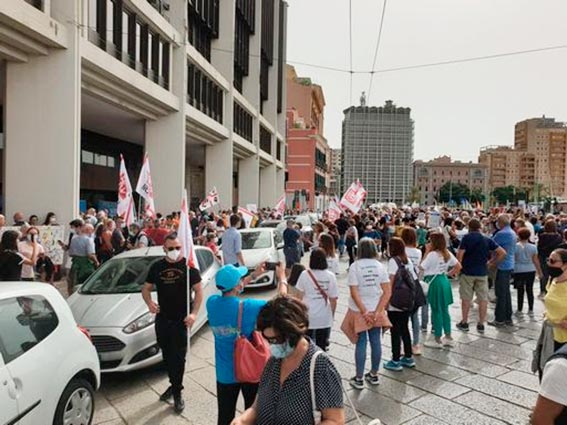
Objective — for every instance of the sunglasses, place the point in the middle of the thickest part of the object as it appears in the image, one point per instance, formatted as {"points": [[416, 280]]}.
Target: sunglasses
{"points": [[173, 248], [274, 340]]}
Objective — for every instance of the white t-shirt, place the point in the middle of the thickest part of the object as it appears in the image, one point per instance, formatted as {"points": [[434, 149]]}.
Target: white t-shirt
{"points": [[320, 312], [333, 264], [434, 263], [553, 382], [414, 256], [368, 275], [25, 248], [393, 267]]}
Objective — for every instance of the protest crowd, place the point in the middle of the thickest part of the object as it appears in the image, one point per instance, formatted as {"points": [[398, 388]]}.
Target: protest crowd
{"points": [[402, 263]]}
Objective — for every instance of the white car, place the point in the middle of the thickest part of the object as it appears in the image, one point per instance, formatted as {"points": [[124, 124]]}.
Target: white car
{"points": [[260, 245], [110, 305], [49, 368]]}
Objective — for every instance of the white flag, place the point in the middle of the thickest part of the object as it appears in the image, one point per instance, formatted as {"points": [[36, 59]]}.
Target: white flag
{"points": [[186, 236], [354, 197], [280, 205], [125, 206], [334, 211], [210, 201], [146, 190], [248, 216]]}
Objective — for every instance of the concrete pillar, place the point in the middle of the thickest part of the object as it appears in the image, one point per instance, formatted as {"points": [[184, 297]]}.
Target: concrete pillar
{"points": [[280, 182], [268, 196], [42, 151], [218, 171], [165, 137], [222, 56], [248, 180], [251, 83]]}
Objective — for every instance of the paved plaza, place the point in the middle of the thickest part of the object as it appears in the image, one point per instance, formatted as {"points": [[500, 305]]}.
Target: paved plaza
{"points": [[484, 379]]}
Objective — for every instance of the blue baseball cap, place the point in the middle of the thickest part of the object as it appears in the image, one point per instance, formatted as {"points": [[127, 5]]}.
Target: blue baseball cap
{"points": [[229, 276]]}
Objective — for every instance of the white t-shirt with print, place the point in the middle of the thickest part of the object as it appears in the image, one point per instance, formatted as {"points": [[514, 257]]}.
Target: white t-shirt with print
{"points": [[320, 312], [26, 249], [553, 382], [333, 264], [368, 275], [434, 263], [414, 255]]}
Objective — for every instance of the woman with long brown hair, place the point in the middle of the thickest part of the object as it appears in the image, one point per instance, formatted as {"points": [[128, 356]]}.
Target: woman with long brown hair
{"points": [[327, 244], [435, 265]]}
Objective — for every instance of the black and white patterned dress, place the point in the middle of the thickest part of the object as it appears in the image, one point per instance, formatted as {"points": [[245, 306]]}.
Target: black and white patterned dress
{"points": [[290, 403]]}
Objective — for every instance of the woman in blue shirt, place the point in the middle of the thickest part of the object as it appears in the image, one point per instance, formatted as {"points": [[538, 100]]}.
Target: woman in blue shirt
{"points": [[525, 268], [222, 310]]}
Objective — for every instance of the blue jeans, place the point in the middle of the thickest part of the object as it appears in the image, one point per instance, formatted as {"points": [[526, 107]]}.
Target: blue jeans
{"points": [[374, 335], [341, 244], [416, 326], [503, 312]]}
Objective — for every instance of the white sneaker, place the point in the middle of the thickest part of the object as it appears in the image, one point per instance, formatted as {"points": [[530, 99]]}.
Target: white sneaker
{"points": [[448, 342], [433, 344]]}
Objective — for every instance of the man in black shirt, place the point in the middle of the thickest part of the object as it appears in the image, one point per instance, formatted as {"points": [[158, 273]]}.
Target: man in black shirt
{"points": [[169, 276]]}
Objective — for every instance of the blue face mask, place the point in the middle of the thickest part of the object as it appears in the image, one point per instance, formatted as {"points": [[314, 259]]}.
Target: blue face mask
{"points": [[281, 351]]}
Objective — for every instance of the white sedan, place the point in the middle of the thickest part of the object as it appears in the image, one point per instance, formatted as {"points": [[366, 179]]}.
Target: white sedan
{"points": [[49, 368], [262, 245]]}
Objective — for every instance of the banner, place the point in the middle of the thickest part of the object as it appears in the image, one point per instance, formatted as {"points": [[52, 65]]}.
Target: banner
{"points": [[125, 207], [248, 217], [146, 190], [354, 197], [280, 205], [334, 212], [186, 236], [48, 239], [252, 208], [210, 201]]}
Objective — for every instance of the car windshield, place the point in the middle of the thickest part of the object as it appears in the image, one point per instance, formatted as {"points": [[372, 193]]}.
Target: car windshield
{"points": [[256, 240], [119, 276], [304, 220]]}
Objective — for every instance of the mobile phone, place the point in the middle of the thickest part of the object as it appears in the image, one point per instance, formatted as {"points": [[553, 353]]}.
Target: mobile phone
{"points": [[271, 266]]}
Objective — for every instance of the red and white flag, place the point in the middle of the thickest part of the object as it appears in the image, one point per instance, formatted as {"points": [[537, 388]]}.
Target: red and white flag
{"points": [[185, 235], [210, 201], [125, 206], [280, 205], [146, 190], [334, 211], [248, 216], [354, 197]]}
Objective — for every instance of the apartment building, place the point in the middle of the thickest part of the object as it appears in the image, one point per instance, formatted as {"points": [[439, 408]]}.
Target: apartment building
{"points": [[198, 85], [308, 153], [538, 157], [430, 176], [336, 161], [377, 148]]}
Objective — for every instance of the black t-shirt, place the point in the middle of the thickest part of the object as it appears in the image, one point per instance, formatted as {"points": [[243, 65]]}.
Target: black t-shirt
{"points": [[342, 225], [170, 280], [10, 266]]}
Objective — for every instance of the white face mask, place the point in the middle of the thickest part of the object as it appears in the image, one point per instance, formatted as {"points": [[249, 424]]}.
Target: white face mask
{"points": [[173, 255]]}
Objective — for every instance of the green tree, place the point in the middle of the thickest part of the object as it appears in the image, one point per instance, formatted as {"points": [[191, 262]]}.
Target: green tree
{"points": [[477, 196], [509, 194], [414, 195], [453, 191]]}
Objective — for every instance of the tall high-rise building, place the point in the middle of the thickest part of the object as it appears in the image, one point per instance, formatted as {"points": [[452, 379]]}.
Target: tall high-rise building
{"points": [[538, 158], [377, 148], [336, 160]]}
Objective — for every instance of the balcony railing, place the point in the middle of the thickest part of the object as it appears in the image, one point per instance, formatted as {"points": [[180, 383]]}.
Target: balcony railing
{"points": [[243, 123]]}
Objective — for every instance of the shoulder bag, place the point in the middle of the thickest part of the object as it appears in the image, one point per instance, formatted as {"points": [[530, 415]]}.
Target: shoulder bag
{"points": [[321, 290], [250, 355]]}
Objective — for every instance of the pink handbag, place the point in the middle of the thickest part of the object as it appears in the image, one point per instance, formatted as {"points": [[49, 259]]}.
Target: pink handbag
{"points": [[250, 355]]}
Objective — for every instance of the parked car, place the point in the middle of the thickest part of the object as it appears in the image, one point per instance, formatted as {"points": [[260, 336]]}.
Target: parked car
{"points": [[110, 305], [49, 369], [272, 224], [259, 245]]}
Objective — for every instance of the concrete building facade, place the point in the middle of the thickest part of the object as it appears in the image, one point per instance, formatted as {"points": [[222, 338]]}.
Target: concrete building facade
{"points": [[430, 176], [377, 148], [336, 163], [197, 85], [308, 153], [538, 158]]}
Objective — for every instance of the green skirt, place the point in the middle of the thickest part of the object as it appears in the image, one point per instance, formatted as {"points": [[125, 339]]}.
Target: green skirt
{"points": [[440, 294]]}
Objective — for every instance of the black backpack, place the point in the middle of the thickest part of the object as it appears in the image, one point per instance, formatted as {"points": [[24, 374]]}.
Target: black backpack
{"points": [[407, 293]]}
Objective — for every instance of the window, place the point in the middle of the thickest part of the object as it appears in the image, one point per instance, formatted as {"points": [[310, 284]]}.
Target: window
{"points": [[101, 160], [24, 323], [205, 259], [87, 157]]}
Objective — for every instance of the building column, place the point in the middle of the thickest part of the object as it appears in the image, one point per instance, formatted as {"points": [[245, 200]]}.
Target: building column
{"points": [[268, 196], [280, 182], [248, 180], [42, 107], [218, 171], [165, 137]]}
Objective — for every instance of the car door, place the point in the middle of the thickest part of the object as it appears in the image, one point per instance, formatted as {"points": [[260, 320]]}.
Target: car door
{"points": [[8, 402], [30, 356]]}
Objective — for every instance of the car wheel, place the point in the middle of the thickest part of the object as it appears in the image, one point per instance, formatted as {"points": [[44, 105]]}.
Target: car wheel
{"points": [[76, 405]]}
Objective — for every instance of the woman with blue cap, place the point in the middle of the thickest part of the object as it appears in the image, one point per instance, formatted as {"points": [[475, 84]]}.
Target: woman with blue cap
{"points": [[223, 310]]}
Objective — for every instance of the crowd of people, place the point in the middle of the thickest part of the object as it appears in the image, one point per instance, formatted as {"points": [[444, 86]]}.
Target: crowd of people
{"points": [[402, 264]]}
